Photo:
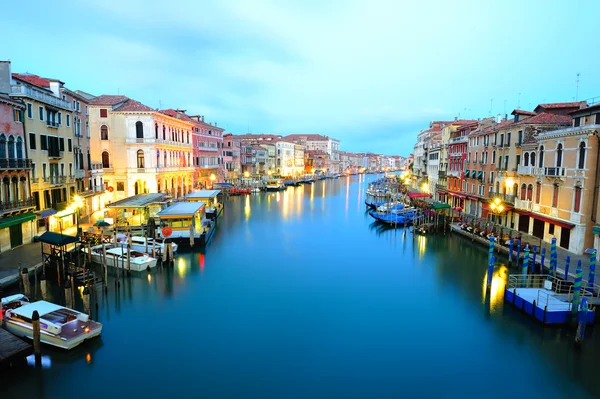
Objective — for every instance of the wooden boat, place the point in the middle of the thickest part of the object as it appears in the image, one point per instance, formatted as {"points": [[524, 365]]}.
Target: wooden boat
{"points": [[117, 257], [59, 326]]}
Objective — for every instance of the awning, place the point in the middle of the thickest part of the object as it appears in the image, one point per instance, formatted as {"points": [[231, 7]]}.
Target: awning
{"points": [[472, 198], [555, 222], [17, 219], [47, 212], [460, 195], [416, 194], [53, 238], [596, 230], [440, 205]]}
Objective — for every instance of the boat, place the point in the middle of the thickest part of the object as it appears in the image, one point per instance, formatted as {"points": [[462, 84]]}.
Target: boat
{"points": [[390, 207], [275, 185], [59, 326], [117, 257], [405, 216], [139, 244]]}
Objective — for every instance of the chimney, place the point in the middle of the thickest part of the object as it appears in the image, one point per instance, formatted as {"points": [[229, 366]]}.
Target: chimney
{"points": [[498, 118], [202, 116], [455, 118], [5, 77], [505, 117]]}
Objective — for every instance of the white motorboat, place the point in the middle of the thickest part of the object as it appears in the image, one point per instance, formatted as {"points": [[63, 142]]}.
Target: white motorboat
{"points": [[59, 326], [139, 244], [117, 257], [275, 185]]}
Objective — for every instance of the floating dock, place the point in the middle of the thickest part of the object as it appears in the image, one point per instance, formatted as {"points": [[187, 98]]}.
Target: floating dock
{"points": [[548, 299], [13, 350]]}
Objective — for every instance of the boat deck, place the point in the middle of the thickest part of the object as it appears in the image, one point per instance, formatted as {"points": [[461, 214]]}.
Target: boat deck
{"points": [[75, 328], [12, 348]]}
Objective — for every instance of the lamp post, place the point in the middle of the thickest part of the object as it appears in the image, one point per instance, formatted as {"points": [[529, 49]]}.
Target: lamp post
{"points": [[496, 206], [212, 180]]}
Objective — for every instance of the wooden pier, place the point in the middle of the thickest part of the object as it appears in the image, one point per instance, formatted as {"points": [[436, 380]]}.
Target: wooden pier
{"points": [[13, 350]]}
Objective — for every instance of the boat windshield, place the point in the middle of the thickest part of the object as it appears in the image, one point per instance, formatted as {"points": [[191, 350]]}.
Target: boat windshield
{"points": [[60, 316]]}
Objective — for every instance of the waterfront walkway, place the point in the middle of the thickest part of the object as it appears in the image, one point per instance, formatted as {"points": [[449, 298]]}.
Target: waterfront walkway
{"points": [[561, 255]]}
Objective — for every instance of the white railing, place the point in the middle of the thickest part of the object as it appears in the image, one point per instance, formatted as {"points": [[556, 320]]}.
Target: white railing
{"points": [[205, 148], [20, 90], [525, 170], [147, 140], [522, 204]]}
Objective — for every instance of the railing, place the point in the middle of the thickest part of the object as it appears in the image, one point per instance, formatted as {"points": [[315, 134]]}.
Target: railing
{"points": [[522, 204], [96, 166], [35, 179], [207, 166], [20, 90], [55, 153], [441, 187], [554, 171], [15, 163], [16, 205], [79, 174], [442, 173], [525, 170], [57, 179], [556, 286], [204, 148], [147, 140], [505, 197], [52, 124]]}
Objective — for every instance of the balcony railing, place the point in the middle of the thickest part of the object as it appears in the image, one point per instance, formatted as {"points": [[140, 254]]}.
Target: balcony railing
{"points": [[52, 124], [441, 187], [15, 163], [148, 140], [19, 90], [442, 173], [55, 154], [79, 174], [553, 171], [16, 205], [523, 204], [525, 170], [505, 197], [205, 148], [57, 180]]}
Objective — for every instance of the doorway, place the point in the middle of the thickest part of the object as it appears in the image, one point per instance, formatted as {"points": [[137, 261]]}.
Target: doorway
{"points": [[16, 236], [538, 228], [565, 237]]}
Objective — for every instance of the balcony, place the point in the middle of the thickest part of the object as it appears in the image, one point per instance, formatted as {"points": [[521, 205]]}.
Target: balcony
{"points": [[12, 206], [523, 204], [525, 170], [504, 197], [35, 93], [35, 179], [52, 124], [15, 164], [153, 141], [79, 174], [442, 173], [441, 187], [553, 171], [204, 148], [94, 190], [55, 154], [56, 180]]}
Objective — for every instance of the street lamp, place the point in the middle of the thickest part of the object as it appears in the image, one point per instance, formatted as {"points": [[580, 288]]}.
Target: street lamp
{"points": [[77, 204], [425, 187], [246, 174], [212, 179], [496, 206]]}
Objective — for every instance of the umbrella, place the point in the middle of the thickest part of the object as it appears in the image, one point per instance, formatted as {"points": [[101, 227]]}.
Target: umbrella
{"points": [[592, 269], [577, 289]]}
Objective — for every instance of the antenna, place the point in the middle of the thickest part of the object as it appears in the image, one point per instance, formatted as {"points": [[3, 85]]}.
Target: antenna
{"points": [[504, 107], [491, 105], [519, 101], [577, 90]]}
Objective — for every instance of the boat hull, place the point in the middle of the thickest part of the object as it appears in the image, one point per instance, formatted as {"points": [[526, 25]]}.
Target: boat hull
{"points": [[26, 331]]}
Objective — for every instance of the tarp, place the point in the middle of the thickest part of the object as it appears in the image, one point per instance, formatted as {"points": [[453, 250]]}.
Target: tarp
{"points": [[440, 205], [57, 239], [47, 212], [416, 194], [17, 219]]}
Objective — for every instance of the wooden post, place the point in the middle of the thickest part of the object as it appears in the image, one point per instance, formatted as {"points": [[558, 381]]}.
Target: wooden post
{"points": [[86, 301], [68, 295], [25, 278], [129, 256], [146, 240], [154, 245], [43, 287], [89, 252], [37, 336], [192, 233], [73, 288]]}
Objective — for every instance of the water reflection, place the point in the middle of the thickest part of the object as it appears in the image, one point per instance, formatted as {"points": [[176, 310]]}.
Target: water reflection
{"points": [[496, 290], [247, 209]]}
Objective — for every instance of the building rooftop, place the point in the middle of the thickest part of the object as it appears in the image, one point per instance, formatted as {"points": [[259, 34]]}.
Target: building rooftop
{"points": [[546, 119], [203, 194], [181, 209], [139, 201]]}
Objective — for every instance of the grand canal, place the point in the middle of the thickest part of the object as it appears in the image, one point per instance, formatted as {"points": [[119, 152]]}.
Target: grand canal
{"points": [[301, 295]]}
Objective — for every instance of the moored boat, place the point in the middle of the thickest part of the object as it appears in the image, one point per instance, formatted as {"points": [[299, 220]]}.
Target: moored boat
{"points": [[59, 326], [117, 257], [275, 185], [139, 244]]}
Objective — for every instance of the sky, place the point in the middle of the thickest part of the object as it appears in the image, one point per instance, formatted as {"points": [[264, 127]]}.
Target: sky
{"points": [[371, 74]]}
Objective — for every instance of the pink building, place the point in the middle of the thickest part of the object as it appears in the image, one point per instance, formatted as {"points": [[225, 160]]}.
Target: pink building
{"points": [[231, 157]]}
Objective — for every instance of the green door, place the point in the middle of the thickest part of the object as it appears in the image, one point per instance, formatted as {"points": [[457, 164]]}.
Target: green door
{"points": [[16, 235]]}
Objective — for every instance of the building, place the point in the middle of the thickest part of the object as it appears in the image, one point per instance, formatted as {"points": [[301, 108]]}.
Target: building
{"points": [[318, 142], [286, 158], [141, 150], [17, 219], [231, 157]]}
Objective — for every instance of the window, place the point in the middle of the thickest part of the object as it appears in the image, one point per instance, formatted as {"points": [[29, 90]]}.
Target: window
{"points": [[598, 119], [103, 113], [139, 130], [555, 196], [559, 152], [164, 132], [44, 174], [68, 119], [140, 158], [532, 159], [70, 169], [523, 192], [103, 132], [508, 139], [526, 159], [120, 186], [19, 148], [541, 157], [518, 159], [530, 192], [29, 111], [538, 192], [156, 130], [41, 109], [69, 145], [32, 143], [494, 157], [576, 121], [60, 118], [577, 202], [2, 146], [105, 160], [581, 162], [550, 228], [61, 144], [520, 137], [43, 142]]}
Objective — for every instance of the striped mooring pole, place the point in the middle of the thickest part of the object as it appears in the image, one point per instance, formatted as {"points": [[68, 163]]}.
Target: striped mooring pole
{"points": [[576, 290], [567, 264], [511, 247]]}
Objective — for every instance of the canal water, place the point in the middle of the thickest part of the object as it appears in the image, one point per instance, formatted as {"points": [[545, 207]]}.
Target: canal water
{"points": [[301, 295]]}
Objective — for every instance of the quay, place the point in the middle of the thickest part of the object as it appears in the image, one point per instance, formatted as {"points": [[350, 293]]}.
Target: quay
{"points": [[12, 349]]}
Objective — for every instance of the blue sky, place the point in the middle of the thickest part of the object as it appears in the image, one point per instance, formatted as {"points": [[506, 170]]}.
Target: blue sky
{"points": [[369, 73]]}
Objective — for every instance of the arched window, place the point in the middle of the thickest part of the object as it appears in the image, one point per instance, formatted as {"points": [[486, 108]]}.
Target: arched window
{"points": [[559, 151], [139, 130], [156, 130], [526, 159], [2, 146], [541, 157], [188, 137], [523, 192], [577, 201], [103, 132], [532, 159], [11, 147], [581, 163], [157, 158], [165, 156], [140, 159], [538, 192], [105, 160], [164, 132], [19, 148], [515, 189], [530, 192]]}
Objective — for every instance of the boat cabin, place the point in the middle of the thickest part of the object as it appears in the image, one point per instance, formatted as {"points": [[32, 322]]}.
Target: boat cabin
{"points": [[212, 199], [183, 218]]}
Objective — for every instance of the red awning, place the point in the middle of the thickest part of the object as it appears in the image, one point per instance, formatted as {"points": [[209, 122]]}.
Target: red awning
{"points": [[473, 198], [555, 222], [460, 195], [416, 194]]}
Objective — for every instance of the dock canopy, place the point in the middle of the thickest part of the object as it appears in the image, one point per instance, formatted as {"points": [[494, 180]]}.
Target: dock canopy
{"points": [[139, 201], [440, 205], [17, 219], [203, 194], [57, 239], [181, 209], [416, 194]]}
